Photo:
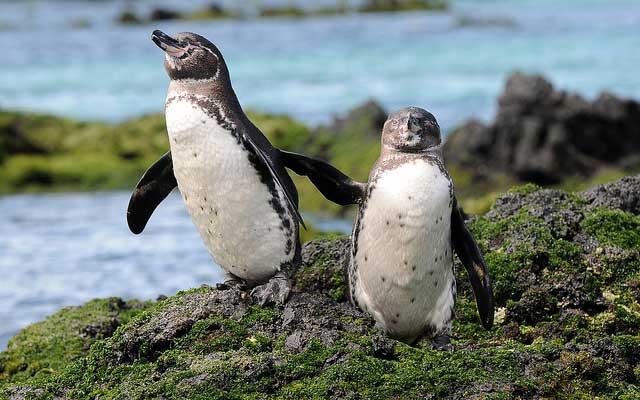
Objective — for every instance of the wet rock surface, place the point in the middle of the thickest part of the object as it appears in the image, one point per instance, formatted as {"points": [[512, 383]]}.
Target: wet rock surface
{"points": [[566, 271], [543, 135], [324, 268], [622, 195]]}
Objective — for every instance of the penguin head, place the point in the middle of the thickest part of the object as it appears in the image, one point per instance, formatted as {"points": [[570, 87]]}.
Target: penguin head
{"points": [[411, 130], [190, 56]]}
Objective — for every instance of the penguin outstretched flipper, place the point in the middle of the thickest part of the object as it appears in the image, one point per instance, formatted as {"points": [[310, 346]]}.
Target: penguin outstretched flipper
{"points": [[467, 250], [333, 184], [154, 186]]}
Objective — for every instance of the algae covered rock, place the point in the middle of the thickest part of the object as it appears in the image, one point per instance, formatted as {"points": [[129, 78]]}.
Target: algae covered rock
{"points": [[47, 347], [324, 268], [566, 271]]}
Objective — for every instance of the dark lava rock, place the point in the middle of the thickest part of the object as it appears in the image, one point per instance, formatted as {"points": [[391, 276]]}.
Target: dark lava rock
{"points": [[543, 135], [622, 195], [163, 14]]}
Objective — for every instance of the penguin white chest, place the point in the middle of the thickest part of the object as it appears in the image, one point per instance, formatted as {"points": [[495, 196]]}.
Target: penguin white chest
{"points": [[229, 205], [401, 271]]}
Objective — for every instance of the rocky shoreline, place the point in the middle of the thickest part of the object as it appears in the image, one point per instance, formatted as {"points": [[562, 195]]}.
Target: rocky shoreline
{"points": [[540, 134], [566, 269], [215, 11], [544, 135]]}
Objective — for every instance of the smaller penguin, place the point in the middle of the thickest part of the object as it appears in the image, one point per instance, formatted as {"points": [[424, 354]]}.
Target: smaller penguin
{"points": [[401, 268]]}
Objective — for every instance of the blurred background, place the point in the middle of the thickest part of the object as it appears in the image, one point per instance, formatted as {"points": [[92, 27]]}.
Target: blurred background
{"points": [[82, 92]]}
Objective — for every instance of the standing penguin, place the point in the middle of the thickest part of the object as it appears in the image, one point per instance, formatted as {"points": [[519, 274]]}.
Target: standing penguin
{"points": [[234, 185], [408, 224]]}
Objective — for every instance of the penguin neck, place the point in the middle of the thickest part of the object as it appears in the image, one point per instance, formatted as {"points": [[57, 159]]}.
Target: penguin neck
{"points": [[391, 158], [391, 153], [217, 90]]}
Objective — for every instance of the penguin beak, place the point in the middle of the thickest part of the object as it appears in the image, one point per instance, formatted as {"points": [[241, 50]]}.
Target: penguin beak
{"points": [[168, 44], [412, 124]]}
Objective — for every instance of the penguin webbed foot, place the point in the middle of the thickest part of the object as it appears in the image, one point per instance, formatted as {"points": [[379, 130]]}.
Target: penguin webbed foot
{"points": [[442, 342], [231, 281], [439, 340], [275, 291]]}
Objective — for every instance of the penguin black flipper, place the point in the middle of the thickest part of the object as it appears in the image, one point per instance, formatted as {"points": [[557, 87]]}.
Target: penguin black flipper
{"points": [[280, 180], [469, 253], [333, 184], [154, 186]]}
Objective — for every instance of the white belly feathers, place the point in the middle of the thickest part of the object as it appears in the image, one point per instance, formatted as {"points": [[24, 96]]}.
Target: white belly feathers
{"points": [[223, 193], [403, 263]]}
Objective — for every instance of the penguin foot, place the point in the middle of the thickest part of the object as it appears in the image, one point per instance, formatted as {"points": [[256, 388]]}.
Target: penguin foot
{"points": [[228, 285], [230, 281], [275, 291], [442, 342]]}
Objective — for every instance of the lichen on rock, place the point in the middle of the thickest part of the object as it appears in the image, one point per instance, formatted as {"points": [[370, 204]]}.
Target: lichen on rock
{"points": [[566, 270]]}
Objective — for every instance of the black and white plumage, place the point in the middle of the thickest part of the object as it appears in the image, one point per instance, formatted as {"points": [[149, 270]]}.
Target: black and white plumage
{"points": [[407, 227], [233, 182]]}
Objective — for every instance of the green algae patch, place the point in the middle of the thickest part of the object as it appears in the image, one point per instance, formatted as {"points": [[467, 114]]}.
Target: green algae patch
{"points": [[46, 347], [614, 228], [525, 189], [324, 267], [403, 5]]}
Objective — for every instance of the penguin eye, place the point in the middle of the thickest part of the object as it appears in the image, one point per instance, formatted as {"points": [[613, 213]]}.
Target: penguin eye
{"points": [[395, 122]]}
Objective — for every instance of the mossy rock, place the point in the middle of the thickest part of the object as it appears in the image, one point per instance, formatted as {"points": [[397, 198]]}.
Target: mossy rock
{"points": [[47, 347], [46, 153], [567, 325]]}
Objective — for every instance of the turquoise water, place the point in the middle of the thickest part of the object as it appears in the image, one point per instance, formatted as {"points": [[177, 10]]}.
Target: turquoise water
{"points": [[315, 68]]}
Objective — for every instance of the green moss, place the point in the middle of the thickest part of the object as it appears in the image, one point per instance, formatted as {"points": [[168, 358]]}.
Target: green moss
{"points": [[283, 132], [325, 274], [290, 11], [614, 227], [208, 13], [67, 172], [525, 189], [403, 5], [45, 348], [338, 282], [522, 242]]}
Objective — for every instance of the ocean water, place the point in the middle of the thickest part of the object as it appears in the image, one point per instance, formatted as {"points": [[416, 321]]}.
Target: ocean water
{"points": [[453, 63], [64, 249]]}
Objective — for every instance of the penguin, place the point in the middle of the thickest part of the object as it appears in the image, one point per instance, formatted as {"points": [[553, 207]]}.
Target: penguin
{"points": [[407, 227], [232, 180]]}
